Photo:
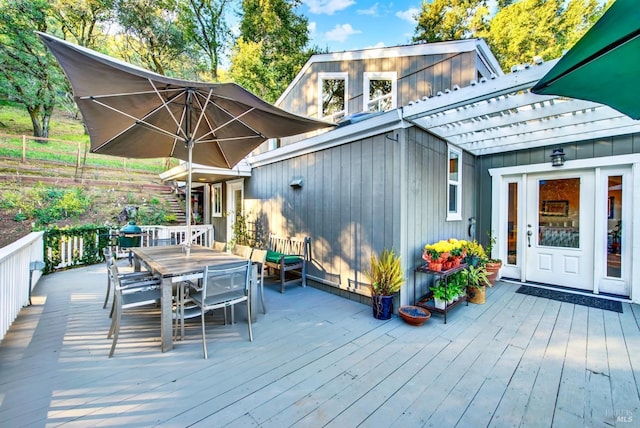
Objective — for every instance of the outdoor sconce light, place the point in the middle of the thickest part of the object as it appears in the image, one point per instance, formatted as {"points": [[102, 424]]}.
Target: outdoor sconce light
{"points": [[557, 157], [296, 183]]}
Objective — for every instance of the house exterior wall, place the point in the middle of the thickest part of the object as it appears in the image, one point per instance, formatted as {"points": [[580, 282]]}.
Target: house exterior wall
{"points": [[427, 201], [353, 202], [602, 147], [417, 77]]}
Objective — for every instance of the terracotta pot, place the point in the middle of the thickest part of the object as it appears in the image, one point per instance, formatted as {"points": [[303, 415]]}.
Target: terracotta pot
{"points": [[492, 269], [435, 266], [476, 295]]}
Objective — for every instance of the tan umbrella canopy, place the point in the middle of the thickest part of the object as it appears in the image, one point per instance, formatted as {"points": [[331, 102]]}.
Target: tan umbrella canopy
{"points": [[132, 112]]}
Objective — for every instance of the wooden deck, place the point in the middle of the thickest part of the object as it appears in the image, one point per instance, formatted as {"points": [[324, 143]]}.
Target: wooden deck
{"points": [[320, 360]]}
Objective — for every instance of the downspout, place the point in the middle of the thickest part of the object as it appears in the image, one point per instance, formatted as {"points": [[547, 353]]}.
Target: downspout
{"points": [[404, 250]]}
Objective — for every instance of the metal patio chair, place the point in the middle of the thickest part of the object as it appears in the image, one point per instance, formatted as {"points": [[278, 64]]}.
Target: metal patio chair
{"points": [[223, 287]]}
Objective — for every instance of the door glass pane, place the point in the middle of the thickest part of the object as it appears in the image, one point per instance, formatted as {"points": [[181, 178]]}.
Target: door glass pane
{"points": [[614, 227], [512, 224], [559, 213]]}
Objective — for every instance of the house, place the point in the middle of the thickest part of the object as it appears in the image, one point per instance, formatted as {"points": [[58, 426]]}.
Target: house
{"points": [[376, 181], [452, 148]]}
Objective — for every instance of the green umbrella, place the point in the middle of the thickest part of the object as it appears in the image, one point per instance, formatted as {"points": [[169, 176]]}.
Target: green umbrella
{"points": [[604, 66]]}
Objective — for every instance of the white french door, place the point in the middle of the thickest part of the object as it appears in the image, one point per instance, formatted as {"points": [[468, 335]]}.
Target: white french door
{"points": [[559, 229], [576, 226], [613, 263], [235, 204]]}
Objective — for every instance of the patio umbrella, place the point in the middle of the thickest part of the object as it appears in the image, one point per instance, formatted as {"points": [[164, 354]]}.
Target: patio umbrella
{"points": [[604, 64], [135, 113]]}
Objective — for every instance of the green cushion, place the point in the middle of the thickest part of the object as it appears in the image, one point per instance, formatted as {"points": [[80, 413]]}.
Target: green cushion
{"points": [[274, 257]]}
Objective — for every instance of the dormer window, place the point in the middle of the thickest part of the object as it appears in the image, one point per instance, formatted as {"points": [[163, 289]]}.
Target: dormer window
{"points": [[333, 96], [379, 91]]}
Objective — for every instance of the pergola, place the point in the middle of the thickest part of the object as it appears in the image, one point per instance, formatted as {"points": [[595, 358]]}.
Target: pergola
{"points": [[501, 114]]}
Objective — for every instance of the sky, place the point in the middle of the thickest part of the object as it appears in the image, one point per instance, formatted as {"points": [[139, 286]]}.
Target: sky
{"points": [[341, 25]]}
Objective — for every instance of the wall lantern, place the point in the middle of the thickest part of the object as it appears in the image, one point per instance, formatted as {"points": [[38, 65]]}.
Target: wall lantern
{"points": [[557, 157]]}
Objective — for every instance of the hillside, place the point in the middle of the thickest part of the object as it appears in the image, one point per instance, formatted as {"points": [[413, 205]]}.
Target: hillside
{"points": [[53, 192]]}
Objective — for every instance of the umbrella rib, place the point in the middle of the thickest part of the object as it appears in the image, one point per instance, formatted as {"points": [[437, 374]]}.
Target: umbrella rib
{"points": [[126, 94], [216, 140], [165, 104], [202, 111], [137, 122], [233, 119]]}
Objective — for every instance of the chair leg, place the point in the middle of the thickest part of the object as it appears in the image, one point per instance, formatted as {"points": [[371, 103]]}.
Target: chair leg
{"points": [[264, 308], [282, 278], [249, 318], [204, 340], [106, 298], [115, 331]]}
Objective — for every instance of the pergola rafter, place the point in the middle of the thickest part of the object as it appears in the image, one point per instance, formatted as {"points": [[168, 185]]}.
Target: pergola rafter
{"points": [[501, 114]]}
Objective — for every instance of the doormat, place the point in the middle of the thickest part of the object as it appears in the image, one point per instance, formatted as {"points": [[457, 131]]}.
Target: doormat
{"points": [[576, 299]]}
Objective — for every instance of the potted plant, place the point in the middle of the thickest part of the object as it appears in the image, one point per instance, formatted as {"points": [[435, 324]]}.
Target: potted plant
{"points": [[476, 278], [474, 253], [442, 296], [439, 295], [492, 265], [385, 279], [456, 286]]}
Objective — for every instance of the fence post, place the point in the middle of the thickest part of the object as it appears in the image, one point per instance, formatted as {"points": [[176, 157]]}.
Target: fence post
{"points": [[24, 148]]}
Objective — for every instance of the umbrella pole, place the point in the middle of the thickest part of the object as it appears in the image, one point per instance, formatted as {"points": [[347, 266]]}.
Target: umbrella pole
{"points": [[187, 244]]}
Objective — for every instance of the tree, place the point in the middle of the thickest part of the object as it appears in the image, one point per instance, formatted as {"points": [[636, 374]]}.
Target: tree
{"points": [[150, 35], [31, 73], [273, 32], [205, 25], [443, 20], [520, 30], [543, 28], [80, 20]]}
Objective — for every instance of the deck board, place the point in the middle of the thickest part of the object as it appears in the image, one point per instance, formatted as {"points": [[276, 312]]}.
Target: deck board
{"points": [[319, 360]]}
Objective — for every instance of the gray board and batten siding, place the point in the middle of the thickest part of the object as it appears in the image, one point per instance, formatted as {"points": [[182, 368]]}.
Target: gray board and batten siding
{"points": [[350, 204], [417, 76], [600, 147]]}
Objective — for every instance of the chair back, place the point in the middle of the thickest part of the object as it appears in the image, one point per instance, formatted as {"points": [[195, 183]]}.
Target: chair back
{"points": [[219, 246], [243, 251], [226, 283], [259, 256], [162, 242], [108, 256]]}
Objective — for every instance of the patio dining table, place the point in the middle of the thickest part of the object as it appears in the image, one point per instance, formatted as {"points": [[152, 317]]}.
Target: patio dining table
{"points": [[172, 265]]}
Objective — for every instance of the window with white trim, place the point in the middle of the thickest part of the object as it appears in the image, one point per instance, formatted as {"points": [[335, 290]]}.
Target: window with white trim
{"points": [[216, 200], [379, 91], [454, 184], [332, 97]]}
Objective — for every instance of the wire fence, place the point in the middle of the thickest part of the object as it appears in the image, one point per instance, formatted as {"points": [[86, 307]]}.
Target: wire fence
{"points": [[75, 154]]}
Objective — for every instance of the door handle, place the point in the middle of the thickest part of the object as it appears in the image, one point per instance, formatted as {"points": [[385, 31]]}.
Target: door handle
{"points": [[529, 233]]}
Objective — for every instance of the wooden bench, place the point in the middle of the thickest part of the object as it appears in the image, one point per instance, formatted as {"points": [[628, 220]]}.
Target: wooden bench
{"points": [[289, 254]]}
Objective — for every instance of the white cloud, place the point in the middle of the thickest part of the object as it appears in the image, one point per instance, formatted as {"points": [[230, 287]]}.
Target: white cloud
{"points": [[327, 7], [373, 10], [409, 15], [340, 33], [312, 27], [377, 45]]}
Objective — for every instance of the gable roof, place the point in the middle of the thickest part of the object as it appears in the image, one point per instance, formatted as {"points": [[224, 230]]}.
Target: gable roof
{"points": [[492, 116], [419, 49]]}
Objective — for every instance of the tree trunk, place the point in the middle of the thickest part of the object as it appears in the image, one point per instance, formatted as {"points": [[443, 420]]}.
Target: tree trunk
{"points": [[40, 128]]}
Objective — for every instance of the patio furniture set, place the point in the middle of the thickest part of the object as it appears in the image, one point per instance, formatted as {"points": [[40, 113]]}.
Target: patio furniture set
{"points": [[188, 285]]}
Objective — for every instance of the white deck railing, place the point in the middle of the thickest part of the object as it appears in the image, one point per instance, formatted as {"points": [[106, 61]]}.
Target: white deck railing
{"points": [[201, 235], [15, 276]]}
